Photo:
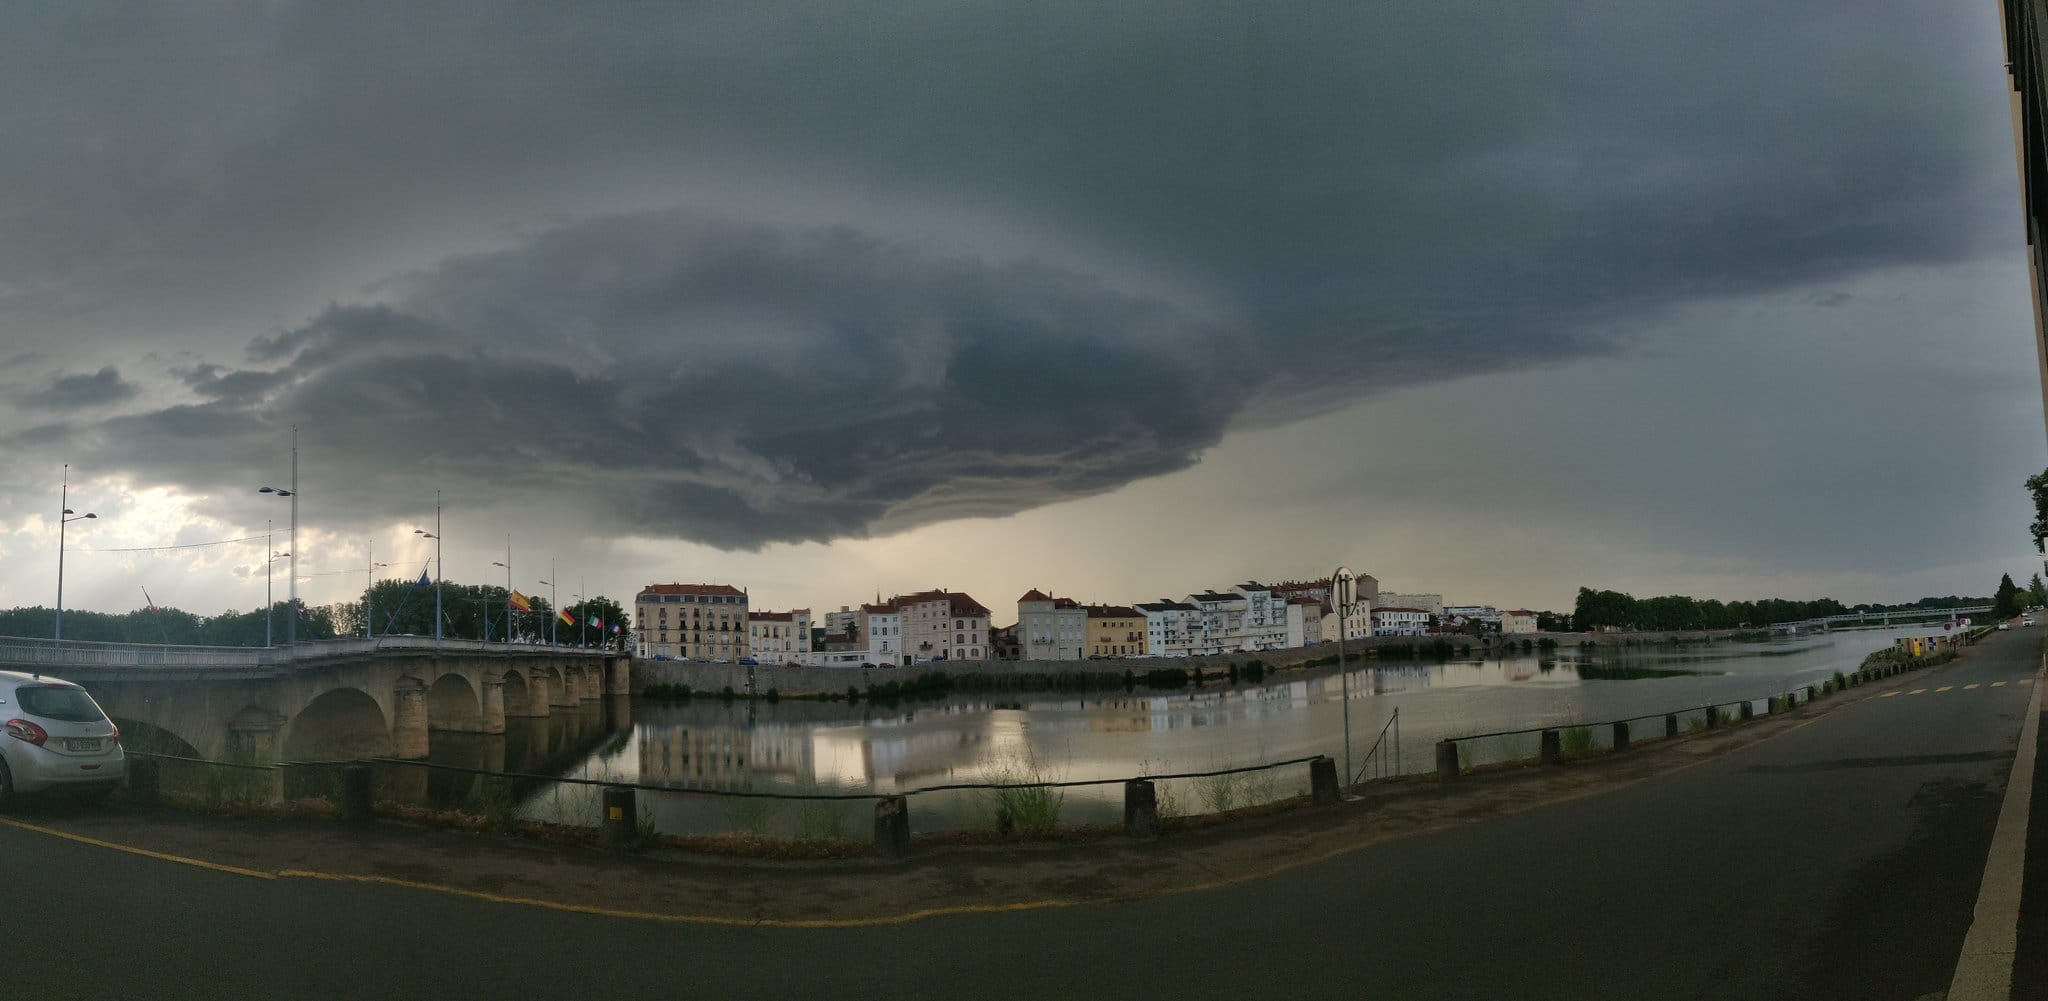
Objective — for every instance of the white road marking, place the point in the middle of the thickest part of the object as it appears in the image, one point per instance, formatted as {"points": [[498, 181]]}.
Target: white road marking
{"points": [[1969, 686], [1998, 684], [1943, 688], [1889, 695], [1916, 691], [1984, 970]]}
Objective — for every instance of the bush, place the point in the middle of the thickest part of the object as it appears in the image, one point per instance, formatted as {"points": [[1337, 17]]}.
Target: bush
{"points": [[725, 693], [774, 696], [1577, 739]]}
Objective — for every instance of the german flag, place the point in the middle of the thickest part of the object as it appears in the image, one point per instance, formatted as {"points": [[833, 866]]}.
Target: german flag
{"points": [[521, 602], [563, 614]]}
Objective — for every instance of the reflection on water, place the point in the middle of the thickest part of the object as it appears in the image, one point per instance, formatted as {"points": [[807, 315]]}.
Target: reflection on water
{"points": [[798, 746]]}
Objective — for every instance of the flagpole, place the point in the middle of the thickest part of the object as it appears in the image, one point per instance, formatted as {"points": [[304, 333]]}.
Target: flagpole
{"points": [[553, 593], [583, 591]]}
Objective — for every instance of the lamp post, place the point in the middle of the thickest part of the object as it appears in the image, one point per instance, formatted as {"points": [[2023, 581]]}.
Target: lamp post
{"points": [[63, 519], [369, 586], [291, 625], [508, 586], [1344, 599], [554, 620], [436, 536], [269, 603]]}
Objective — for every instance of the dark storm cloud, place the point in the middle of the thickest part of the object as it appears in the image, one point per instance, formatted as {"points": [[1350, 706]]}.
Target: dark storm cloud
{"points": [[1154, 223], [738, 384], [71, 392]]}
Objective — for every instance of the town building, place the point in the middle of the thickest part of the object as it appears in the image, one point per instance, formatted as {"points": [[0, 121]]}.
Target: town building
{"points": [[1265, 616], [1519, 621], [837, 622], [777, 637], [1115, 631], [880, 625], [1304, 621], [1400, 622], [1171, 627], [1220, 623], [691, 622], [943, 625], [1431, 603], [1461, 614], [1050, 628]]}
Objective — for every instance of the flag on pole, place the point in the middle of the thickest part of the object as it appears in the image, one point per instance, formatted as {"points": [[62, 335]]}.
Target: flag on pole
{"points": [[423, 581], [596, 621], [615, 630], [521, 602], [563, 614]]}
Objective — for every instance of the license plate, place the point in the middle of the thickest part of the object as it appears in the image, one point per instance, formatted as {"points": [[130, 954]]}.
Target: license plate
{"points": [[82, 743]]}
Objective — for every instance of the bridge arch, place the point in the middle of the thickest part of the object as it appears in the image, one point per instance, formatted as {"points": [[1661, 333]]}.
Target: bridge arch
{"points": [[519, 696], [558, 692], [453, 704], [149, 738], [339, 724]]}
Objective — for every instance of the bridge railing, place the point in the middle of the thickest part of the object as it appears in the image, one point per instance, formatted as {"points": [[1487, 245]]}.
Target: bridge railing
{"points": [[24, 651]]}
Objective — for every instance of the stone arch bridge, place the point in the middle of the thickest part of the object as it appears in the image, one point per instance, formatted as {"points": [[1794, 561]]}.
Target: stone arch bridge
{"points": [[322, 701]]}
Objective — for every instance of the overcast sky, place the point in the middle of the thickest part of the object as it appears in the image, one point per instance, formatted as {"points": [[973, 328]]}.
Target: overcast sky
{"points": [[1116, 300]]}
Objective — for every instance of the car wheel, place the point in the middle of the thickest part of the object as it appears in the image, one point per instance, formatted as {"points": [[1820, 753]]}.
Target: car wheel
{"points": [[6, 787]]}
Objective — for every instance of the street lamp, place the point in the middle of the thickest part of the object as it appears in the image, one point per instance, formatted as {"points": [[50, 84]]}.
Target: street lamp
{"points": [[1344, 599], [508, 587], [369, 585], [436, 536], [269, 603], [66, 518], [554, 620], [291, 625]]}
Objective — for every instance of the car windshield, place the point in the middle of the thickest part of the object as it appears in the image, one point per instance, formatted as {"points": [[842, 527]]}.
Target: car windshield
{"points": [[59, 702]]}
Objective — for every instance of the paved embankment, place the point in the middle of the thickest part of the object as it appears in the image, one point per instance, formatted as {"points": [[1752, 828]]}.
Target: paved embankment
{"points": [[1834, 852]]}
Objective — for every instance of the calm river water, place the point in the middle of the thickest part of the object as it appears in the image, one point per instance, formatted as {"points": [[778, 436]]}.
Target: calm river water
{"points": [[833, 747]]}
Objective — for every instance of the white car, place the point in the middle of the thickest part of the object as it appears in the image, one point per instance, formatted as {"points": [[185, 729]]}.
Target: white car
{"points": [[54, 737]]}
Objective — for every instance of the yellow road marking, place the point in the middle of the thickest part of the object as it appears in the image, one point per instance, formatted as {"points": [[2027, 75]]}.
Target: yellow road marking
{"points": [[1942, 689], [1969, 686], [132, 850], [1916, 691]]}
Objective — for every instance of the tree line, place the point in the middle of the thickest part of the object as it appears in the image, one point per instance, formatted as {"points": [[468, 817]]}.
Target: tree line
{"points": [[398, 607], [1616, 610]]}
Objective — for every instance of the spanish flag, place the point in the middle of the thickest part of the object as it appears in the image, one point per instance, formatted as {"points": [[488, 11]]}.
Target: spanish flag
{"points": [[521, 602], [563, 614]]}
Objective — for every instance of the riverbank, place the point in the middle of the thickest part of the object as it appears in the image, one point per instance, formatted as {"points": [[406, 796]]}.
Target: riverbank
{"points": [[1083, 675]]}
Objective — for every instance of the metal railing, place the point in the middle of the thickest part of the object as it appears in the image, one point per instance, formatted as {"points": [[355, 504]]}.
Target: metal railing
{"points": [[1374, 760], [22, 651]]}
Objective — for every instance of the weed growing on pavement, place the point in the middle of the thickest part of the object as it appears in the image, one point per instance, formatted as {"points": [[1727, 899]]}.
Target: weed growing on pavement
{"points": [[1578, 739], [1031, 807]]}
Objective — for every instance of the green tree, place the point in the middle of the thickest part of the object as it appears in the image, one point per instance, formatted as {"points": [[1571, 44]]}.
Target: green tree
{"points": [[2037, 593], [2006, 603]]}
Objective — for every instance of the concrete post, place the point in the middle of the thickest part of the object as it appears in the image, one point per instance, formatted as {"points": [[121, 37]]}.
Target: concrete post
{"points": [[1322, 779], [355, 794], [1747, 710], [621, 818], [493, 719], [1447, 760], [1810, 695], [1670, 726], [1713, 717], [145, 781], [1620, 737], [253, 739], [1141, 809], [1553, 748], [409, 719], [892, 826]]}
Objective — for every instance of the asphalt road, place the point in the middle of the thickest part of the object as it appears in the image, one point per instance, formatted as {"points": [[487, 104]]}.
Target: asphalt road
{"points": [[1840, 860]]}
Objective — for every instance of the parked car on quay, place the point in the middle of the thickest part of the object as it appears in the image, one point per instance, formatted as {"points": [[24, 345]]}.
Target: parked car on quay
{"points": [[55, 738]]}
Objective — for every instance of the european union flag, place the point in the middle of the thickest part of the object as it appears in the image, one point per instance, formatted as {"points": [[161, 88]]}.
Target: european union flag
{"points": [[423, 581]]}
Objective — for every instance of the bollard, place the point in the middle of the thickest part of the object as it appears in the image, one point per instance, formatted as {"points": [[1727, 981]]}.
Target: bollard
{"points": [[355, 793], [621, 817], [1141, 809], [1670, 726], [1748, 710], [1553, 748], [892, 826], [145, 781], [1713, 717], [1322, 779], [1620, 737], [1809, 693], [1446, 760]]}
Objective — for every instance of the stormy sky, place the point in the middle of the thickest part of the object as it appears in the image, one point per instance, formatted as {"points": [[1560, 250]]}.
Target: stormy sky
{"points": [[1119, 301]]}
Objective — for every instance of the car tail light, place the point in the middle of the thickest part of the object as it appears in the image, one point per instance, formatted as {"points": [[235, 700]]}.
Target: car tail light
{"points": [[21, 729], [116, 735]]}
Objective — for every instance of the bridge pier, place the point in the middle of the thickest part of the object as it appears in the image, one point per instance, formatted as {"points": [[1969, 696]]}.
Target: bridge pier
{"points": [[538, 697], [618, 676], [493, 692], [563, 696], [409, 719], [253, 739]]}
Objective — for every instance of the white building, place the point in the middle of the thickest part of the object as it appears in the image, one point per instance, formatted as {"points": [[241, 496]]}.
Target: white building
{"points": [[1304, 621], [1171, 627], [1521, 620], [1399, 622], [1458, 614], [1050, 628], [1265, 616], [1431, 603], [836, 622], [1220, 622], [881, 625], [777, 637]]}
